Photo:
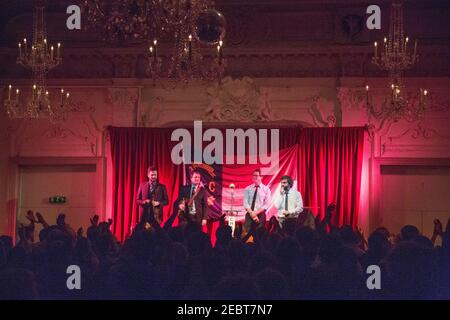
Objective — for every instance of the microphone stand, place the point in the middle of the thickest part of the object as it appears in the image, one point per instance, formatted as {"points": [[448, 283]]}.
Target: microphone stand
{"points": [[231, 219]]}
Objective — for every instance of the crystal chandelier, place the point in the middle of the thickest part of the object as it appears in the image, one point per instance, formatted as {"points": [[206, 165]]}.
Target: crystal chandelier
{"points": [[396, 106], [187, 63], [395, 57], [192, 27], [124, 20], [41, 57]]}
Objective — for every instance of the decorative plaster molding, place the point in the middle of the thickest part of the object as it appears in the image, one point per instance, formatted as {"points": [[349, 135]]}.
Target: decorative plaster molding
{"points": [[322, 112], [150, 114], [420, 131], [238, 100], [124, 99], [351, 99]]}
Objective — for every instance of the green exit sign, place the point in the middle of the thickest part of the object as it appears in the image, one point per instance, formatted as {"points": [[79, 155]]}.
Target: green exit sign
{"points": [[57, 199]]}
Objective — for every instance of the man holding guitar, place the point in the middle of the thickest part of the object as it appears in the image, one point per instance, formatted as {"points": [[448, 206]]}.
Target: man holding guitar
{"points": [[192, 202]]}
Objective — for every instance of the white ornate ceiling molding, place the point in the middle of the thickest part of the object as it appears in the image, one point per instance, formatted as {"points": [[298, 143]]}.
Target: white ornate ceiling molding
{"points": [[322, 112], [276, 60], [438, 103], [351, 99], [151, 111], [79, 134], [420, 132], [237, 100], [123, 98], [416, 140], [39, 138]]}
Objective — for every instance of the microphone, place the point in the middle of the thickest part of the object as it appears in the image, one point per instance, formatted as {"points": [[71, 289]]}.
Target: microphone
{"points": [[232, 186]]}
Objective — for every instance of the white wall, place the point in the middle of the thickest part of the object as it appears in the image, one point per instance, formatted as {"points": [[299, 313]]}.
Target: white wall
{"points": [[76, 183], [415, 195]]}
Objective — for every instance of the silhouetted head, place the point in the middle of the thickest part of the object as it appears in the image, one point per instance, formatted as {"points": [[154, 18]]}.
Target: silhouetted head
{"points": [[198, 243], [379, 244], [348, 236], [409, 232], [411, 271], [423, 241], [7, 243], [223, 235]]}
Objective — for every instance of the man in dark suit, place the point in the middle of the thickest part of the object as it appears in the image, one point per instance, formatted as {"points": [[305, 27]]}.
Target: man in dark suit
{"points": [[192, 202], [151, 198]]}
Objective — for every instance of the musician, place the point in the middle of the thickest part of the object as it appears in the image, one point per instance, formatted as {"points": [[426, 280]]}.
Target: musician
{"points": [[192, 202], [257, 197], [151, 198], [289, 202]]}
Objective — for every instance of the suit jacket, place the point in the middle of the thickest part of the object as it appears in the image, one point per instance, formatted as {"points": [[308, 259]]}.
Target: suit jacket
{"points": [[201, 201], [159, 194]]}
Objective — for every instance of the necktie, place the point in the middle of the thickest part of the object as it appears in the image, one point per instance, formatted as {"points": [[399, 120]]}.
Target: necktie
{"points": [[192, 190], [151, 188], [254, 198], [286, 201]]}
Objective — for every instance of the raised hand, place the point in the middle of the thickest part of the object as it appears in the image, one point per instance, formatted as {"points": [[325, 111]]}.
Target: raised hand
{"points": [[360, 231], [94, 220], [41, 220], [437, 227], [61, 219], [30, 216]]}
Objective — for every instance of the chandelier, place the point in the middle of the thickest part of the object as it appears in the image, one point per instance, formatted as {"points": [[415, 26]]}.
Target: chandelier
{"points": [[194, 29], [397, 106], [190, 60], [124, 20], [40, 57], [395, 56]]}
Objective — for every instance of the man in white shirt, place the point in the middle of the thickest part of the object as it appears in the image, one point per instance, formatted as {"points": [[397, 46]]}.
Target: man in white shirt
{"points": [[257, 197], [289, 202]]}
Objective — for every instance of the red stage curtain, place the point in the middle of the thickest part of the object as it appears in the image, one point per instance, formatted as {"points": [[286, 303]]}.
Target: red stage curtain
{"points": [[328, 162], [329, 170], [132, 151]]}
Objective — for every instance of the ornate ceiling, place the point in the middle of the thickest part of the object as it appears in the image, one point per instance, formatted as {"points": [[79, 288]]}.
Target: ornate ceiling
{"points": [[273, 38]]}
